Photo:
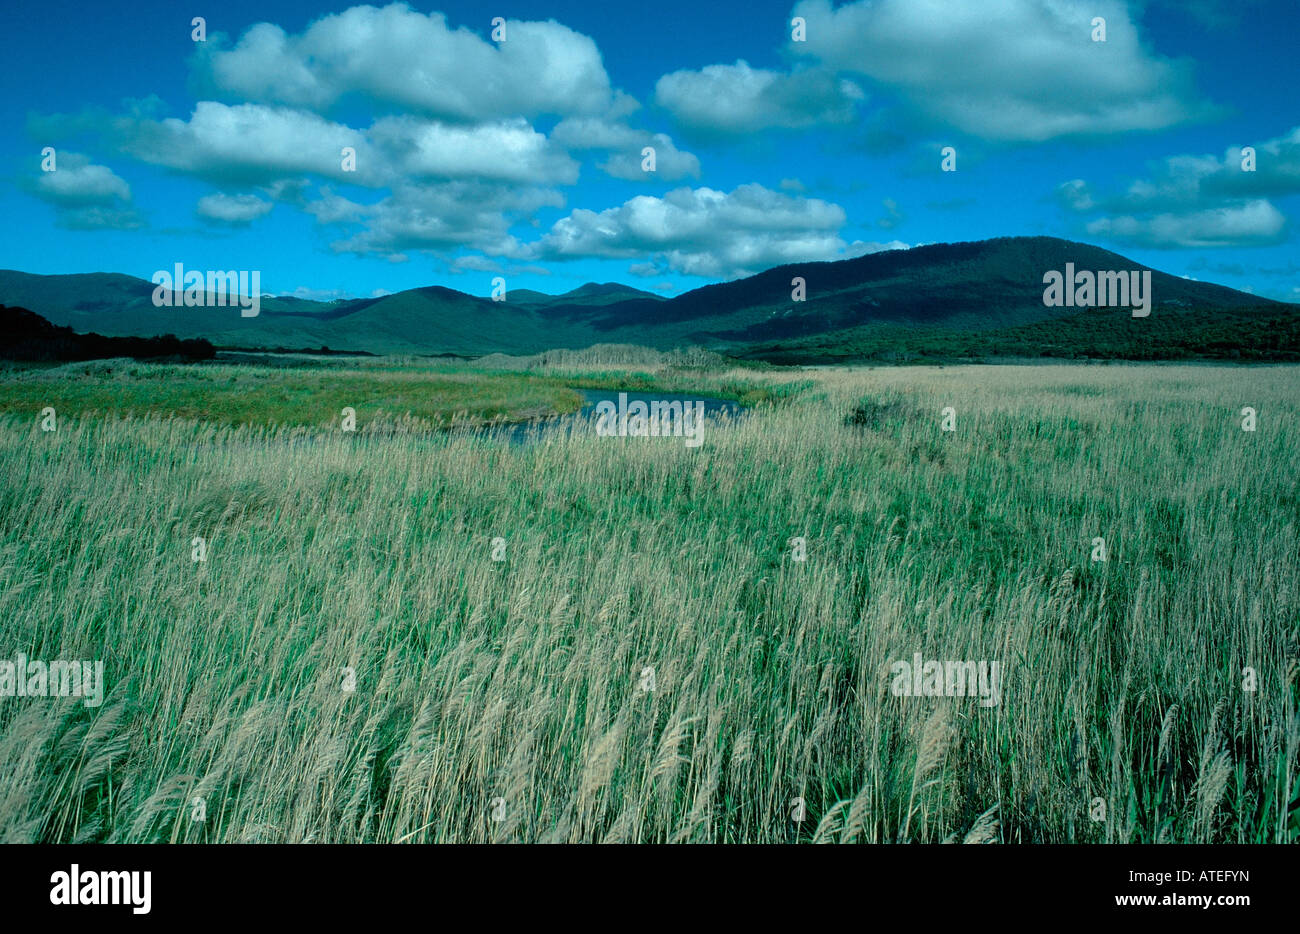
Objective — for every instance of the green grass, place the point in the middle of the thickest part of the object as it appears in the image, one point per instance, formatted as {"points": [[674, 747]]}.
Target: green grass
{"points": [[265, 395], [521, 679], [312, 393]]}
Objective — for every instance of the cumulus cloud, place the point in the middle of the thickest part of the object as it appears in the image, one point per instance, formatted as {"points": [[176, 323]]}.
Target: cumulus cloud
{"points": [[78, 183], [450, 153], [332, 208], [446, 106], [237, 210], [275, 147], [474, 263], [1186, 179], [246, 144], [626, 146], [85, 196], [735, 99], [1075, 195], [703, 232], [507, 150], [441, 216], [1198, 200], [1018, 70], [1254, 223], [405, 61], [670, 163], [448, 160]]}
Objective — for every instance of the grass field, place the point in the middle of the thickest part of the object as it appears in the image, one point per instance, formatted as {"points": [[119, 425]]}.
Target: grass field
{"points": [[383, 393], [649, 661]]}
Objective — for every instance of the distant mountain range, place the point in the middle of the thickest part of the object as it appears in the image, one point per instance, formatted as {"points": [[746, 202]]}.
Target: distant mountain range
{"points": [[960, 299]]}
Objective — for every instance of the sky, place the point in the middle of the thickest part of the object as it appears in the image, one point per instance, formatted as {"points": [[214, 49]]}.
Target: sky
{"points": [[781, 132]]}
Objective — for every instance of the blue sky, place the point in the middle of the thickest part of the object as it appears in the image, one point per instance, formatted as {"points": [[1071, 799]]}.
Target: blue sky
{"points": [[523, 158]]}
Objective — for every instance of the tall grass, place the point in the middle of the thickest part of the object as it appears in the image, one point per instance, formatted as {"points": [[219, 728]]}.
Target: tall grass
{"points": [[311, 392], [506, 700]]}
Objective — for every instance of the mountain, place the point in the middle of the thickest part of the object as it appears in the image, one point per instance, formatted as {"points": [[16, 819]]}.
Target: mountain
{"points": [[593, 293], [605, 293], [530, 297], [977, 298]]}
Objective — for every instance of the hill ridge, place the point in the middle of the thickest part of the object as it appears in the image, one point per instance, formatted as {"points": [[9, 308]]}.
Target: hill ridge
{"points": [[965, 286]]}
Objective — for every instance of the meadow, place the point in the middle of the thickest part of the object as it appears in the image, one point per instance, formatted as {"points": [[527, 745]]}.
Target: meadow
{"points": [[413, 635]]}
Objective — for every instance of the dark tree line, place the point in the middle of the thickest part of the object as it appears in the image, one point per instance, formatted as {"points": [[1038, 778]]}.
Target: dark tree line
{"points": [[25, 335]]}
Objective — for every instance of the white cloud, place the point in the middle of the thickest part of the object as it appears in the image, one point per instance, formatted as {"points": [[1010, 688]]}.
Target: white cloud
{"points": [[474, 263], [331, 208], [248, 144], [625, 146], [76, 182], [1023, 70], [1075, 195], [253, 144], [703, 232], [447, 106], [406, 61], [509, 150], [671, 164], [309, 294], [1251, 224], [442, 216], [1198, 200], [85, 196], [1188, 179], [233, 209], [735, 99]]}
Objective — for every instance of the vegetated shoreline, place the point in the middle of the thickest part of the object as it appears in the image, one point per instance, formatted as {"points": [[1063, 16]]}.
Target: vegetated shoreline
{"points": [[400, 395], [431, 396]]}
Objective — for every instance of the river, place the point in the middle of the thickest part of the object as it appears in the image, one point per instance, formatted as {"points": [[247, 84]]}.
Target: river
{"points": [[715, 410]]}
